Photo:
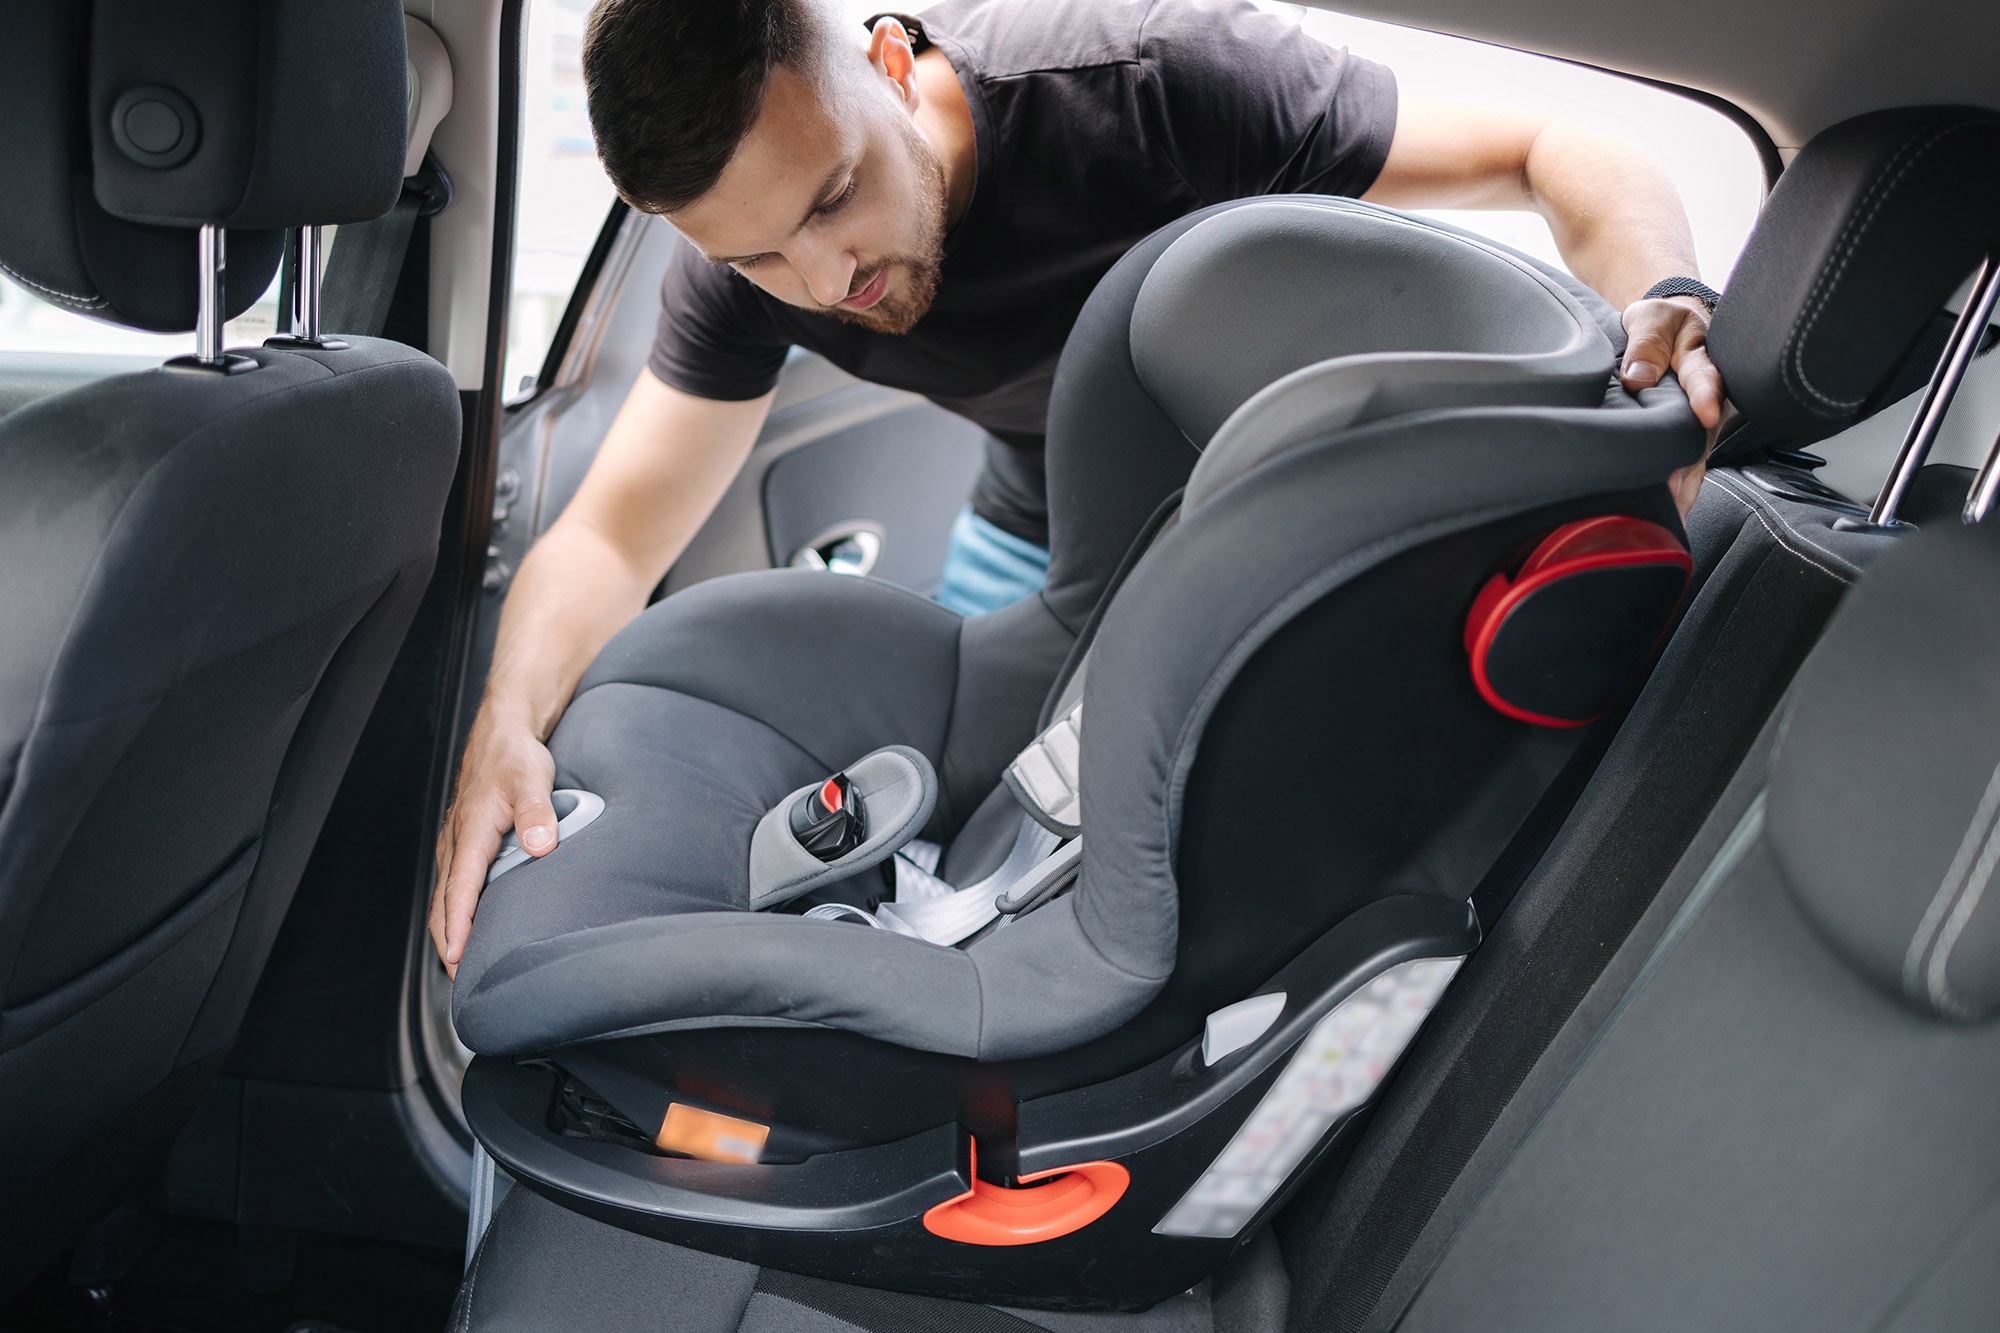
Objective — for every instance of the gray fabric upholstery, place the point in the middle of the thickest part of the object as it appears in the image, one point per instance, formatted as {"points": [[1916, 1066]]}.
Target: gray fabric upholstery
{"points": [[205, 579], [543, 1267], [1886, 791], [1740, 1126], [1865, 236], [1804, 1149], [897, 790]]}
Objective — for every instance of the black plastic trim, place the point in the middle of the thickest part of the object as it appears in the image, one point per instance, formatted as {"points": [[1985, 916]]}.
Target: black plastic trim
{"points": [[861, 1209]]}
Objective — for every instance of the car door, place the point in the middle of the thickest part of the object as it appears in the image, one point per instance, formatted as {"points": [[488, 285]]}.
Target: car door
{"points": [[845, 475]]}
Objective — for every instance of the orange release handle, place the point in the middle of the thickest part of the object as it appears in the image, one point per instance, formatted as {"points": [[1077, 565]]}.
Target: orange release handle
{"points": [[1066, 1199]]}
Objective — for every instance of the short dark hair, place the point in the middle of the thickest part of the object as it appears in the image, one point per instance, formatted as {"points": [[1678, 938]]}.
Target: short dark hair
{"points": [[674, 85]]}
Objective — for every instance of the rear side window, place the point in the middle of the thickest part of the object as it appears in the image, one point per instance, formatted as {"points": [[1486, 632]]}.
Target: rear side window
{"points": [[1711, 159], [30, 324], [564, 193]]}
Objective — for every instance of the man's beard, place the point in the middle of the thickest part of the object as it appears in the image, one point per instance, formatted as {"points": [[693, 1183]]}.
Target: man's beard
{"points": [[899, 310]]}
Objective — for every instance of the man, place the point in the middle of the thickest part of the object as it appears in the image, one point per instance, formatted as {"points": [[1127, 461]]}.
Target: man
{"points": [[927, 203]]}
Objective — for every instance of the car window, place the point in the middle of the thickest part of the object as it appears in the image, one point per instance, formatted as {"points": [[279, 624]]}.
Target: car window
{"points": [[30, 324], [1711, 159], [564, 194]]}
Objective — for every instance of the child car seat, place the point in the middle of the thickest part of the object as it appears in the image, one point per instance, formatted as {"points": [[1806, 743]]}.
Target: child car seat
{"points": [[1071, 1079], [1369, 1244]]}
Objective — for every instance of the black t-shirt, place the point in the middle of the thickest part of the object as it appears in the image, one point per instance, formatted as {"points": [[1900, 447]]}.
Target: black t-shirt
{"points": [[1097, 122]]}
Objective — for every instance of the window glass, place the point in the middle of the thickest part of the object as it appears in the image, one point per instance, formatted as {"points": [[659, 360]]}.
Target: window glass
{"points": [[564, 194], [1712, 161], [30, 324]]}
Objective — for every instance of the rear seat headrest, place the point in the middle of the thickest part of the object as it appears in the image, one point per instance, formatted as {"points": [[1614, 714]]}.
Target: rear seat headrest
{"points": [[131, 122], [1874, 225], [1884, 805]]}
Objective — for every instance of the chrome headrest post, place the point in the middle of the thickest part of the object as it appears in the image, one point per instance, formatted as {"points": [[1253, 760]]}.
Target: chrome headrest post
{"points": [[305, 255], [1945, 379], [212, 261], [1979, 500], [305, 243]]}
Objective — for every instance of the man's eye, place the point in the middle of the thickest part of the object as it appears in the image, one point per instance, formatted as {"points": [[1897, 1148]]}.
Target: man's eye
{"points": [[839, 201]]}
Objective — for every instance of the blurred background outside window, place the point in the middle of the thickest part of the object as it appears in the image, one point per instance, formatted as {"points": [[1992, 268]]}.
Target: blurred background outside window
{"points": [[564, 196]]}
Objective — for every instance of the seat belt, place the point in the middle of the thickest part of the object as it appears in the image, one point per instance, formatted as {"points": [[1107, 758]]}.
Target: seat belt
{"points": [[1047, 851], [361, 272], [367, 258]]}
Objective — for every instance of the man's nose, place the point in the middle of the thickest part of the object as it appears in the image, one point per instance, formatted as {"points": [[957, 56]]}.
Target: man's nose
{"points": [[828, 271]]}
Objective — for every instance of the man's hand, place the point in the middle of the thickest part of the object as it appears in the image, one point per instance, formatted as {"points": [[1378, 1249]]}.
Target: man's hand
{"points": [[1672, 334], [1614, 214], [503, 785], [666, 461]]}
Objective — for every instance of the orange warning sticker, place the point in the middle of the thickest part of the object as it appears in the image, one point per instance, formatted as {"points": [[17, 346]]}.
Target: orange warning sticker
{"points": [[711, 1136]]}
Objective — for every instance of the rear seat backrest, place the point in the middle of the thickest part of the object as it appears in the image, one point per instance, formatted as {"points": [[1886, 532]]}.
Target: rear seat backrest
{"points": [[1785, 1083], [1769, 569]]}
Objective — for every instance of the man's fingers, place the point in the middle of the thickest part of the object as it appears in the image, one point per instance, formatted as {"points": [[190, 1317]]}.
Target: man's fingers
{"points": [[476, 844], [436, 921], [1699, 378], [535, 823], [1685, 483], [1649, 350]]}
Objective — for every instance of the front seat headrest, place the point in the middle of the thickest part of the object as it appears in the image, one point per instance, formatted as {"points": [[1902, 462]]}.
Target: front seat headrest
{"points": [[132, 122], [1870, 230]]}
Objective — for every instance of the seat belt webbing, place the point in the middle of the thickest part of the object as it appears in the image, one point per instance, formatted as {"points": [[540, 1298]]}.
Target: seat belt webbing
{"points": [[362, 270]]}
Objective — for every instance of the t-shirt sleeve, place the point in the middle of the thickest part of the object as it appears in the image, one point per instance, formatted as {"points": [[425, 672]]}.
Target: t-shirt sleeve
{"points": [[1247, 104], [714, 340]]}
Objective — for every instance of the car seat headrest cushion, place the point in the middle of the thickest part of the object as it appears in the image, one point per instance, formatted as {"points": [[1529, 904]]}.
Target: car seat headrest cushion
{"points": [[1249, 296], [1877, 221], [1883, 811], [250, 113], [55, 240]]}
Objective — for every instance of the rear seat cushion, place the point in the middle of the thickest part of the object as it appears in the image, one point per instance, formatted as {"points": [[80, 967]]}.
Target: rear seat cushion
{"points": [[541, 1266]]}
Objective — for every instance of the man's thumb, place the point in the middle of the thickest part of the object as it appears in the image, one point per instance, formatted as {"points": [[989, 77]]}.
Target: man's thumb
{"points": [[535, 822]]}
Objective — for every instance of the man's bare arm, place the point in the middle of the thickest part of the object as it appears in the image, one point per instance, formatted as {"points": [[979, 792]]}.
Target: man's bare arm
{"points": [[1614, 212], [663, 466]]}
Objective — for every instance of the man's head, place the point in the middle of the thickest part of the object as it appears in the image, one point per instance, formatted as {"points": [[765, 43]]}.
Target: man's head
{"points": [[776, 145]]}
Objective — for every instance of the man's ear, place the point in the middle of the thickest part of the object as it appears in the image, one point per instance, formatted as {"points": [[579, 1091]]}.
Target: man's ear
{"points": [[889, 51]]}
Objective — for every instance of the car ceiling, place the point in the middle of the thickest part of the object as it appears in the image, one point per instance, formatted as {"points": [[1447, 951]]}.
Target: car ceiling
{"points": [[1796, 66]]}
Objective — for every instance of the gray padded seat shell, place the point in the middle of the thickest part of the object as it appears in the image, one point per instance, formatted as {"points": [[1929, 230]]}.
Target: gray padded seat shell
{"points": [[764, 682], [205, 578]]}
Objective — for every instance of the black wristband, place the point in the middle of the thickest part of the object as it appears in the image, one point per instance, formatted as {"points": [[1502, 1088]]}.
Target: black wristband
{"points": [[1700, 291]]}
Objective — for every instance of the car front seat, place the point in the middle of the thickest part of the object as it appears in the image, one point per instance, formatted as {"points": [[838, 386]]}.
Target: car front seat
{"points": [[205, 569], [1291, 776]]}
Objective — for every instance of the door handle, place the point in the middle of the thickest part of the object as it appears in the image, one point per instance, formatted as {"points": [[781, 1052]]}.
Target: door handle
{"points": [[852, 548]]}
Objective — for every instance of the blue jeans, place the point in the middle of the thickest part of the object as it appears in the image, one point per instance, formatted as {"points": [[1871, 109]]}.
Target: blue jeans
{"points": [[985, 568]]}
